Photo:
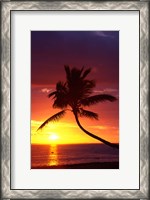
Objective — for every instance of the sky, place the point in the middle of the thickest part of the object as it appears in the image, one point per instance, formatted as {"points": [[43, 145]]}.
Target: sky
{"points": [[50, 51]]}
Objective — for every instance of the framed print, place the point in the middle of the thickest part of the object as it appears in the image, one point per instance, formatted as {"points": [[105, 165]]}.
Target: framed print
{"points": [[50, 139], [74, 82]]}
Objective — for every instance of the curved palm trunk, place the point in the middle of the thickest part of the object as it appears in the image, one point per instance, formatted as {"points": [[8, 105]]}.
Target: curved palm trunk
{"points": [[94, 136]]}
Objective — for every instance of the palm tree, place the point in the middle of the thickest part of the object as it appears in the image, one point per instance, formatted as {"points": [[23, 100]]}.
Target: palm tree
{"points": [[75, 93]]}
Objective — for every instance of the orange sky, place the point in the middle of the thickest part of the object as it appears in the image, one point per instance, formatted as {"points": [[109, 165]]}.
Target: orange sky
{"points": [[66, 128], [47, 67]]}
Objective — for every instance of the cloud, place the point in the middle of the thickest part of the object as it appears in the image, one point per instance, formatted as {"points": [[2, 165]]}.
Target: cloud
{"points": [[106, 90], [104, 127], [103, 34], [53, 125], [45, 90], [62, 125], [35, 123], [99, 127]]}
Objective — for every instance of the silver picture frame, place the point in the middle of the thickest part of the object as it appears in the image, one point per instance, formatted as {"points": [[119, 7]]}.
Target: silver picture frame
{"points": [[6, 8]]}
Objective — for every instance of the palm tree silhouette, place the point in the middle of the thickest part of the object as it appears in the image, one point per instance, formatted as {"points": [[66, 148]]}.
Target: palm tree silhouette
{"points": [[75, 93]]}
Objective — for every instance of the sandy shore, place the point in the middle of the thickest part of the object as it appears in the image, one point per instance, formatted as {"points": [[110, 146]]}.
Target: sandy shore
{"points": [[95, 165]]}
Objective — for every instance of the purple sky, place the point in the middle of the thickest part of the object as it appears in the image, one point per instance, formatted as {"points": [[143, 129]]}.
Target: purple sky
{"points": [[51, 50]]}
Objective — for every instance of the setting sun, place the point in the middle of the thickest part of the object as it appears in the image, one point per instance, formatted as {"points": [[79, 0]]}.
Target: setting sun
{"points": [[53, 137]]}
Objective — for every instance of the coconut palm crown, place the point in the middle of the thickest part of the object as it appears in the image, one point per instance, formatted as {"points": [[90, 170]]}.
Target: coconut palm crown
{"points": [[74, 94]]}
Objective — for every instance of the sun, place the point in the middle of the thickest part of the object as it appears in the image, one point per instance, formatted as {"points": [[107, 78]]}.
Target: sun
{"points": [[53, 137]]}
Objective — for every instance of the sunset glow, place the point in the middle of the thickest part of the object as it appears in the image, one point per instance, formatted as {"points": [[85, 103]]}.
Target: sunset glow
{"points": [[53, 136], [50, 51]]}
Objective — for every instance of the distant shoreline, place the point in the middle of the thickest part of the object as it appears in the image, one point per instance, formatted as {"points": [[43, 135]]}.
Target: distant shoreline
{"points": [[48, 144], [93, 165]]}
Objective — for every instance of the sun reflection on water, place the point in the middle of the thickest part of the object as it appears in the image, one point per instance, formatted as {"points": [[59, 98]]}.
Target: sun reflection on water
{"points": [[53, 155]]}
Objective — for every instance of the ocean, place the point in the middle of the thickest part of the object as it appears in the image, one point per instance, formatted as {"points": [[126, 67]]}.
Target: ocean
{"points": [[54, 155]]}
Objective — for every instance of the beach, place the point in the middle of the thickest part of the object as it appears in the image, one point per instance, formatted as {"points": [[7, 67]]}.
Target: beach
{"points": [[93, 165]]}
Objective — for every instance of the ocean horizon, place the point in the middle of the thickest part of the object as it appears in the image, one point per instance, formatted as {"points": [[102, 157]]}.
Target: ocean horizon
{"points": [[51, 155]]}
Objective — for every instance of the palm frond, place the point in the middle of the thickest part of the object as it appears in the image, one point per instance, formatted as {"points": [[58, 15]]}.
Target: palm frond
{"points": [[61, 102], [52, 94], [87, 86], [81, 70], [89, 114], [96, 99], [75, 74], [86, 72], [60, 86], [67, 70], [55, 117]]}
